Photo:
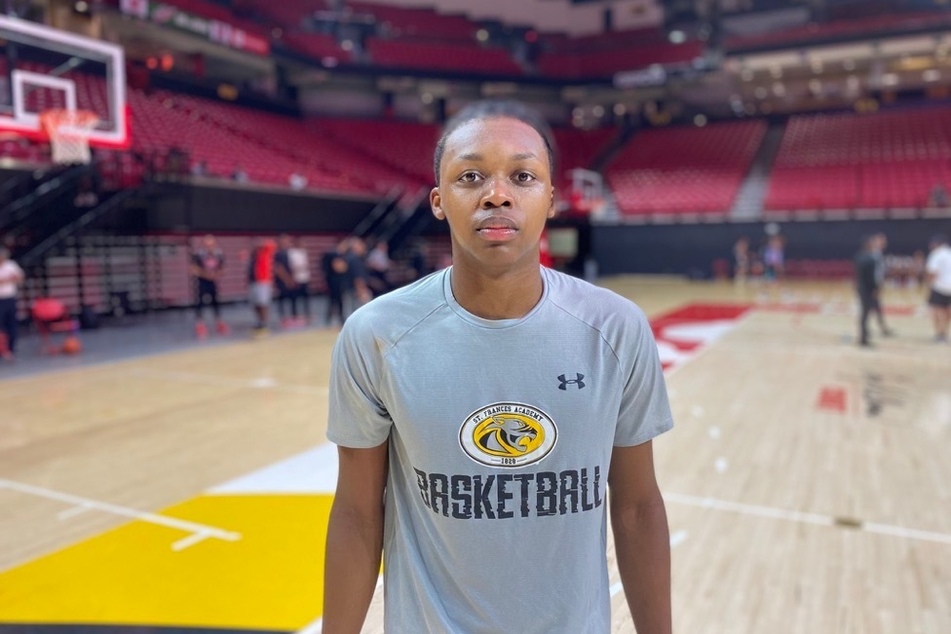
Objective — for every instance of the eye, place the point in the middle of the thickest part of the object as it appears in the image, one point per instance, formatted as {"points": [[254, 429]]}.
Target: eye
{"points": [[525, 177], [470, 177]]}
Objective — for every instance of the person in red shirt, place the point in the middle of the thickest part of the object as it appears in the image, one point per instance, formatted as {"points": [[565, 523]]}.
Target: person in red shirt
{"points": [[261, 282]]}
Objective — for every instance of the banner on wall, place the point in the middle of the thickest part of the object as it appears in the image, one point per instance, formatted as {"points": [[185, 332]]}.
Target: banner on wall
{"points": [[214, 30]]}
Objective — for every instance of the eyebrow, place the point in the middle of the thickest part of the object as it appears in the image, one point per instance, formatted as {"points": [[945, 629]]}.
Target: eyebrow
{"points": [[474, 156]]}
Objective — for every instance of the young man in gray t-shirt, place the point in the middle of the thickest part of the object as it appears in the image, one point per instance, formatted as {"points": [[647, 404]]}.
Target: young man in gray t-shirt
{"points": [[483, 412]]}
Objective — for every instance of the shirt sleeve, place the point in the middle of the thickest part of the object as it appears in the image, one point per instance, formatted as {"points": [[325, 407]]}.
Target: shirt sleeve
{"points": [[358, 417], [645, 408], [931, 266]]}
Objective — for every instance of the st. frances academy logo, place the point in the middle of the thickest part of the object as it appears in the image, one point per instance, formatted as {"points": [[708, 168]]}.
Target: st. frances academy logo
{"points": [[508, 435]]}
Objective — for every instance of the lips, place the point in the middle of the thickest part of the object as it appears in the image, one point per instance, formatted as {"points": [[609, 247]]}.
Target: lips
{"points": [[497, 229], [497, 222]]}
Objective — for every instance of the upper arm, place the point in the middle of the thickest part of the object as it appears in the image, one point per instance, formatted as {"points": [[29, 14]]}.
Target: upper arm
{"points": [[644, 409], [361, 478], [631, 477]]}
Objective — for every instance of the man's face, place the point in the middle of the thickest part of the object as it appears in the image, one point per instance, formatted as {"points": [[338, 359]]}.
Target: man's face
{"points": [[209, 242], [495, 191]]}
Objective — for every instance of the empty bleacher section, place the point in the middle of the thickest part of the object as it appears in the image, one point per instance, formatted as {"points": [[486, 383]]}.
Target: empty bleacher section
{"points": [[409, 146], [431, 55], [607, 54], [846, 161], [416, 23], [857, 27], [578, 148], [327, 165], [403, 146], [684, 169]]}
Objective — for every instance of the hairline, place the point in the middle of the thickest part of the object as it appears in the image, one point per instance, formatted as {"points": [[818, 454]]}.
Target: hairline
{"points": [[479, 117]]}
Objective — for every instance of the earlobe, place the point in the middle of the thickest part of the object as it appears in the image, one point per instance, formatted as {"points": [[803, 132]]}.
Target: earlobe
{"points": [[435, 202]]}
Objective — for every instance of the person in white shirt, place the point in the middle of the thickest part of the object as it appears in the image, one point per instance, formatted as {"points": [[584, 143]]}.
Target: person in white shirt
{"points": [[300, 272], [11, 276], [938, 270]]}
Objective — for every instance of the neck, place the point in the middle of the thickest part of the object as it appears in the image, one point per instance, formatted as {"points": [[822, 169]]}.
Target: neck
{"points": [[506, 295]]}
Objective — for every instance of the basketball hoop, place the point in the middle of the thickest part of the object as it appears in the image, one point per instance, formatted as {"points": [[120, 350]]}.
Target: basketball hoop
{"points": [[68, 131]]}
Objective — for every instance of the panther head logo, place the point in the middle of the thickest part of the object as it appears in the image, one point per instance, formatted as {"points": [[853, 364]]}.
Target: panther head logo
{"points": [[506, 435]]}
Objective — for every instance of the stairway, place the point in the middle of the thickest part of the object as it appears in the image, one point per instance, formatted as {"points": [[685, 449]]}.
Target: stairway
{"points": [[749, 200]]}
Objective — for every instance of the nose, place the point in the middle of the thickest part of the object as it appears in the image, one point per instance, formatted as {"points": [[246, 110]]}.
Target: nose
{"points": [[497, 194]]}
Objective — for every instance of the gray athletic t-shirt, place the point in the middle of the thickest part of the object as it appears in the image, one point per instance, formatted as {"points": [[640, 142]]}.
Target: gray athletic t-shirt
{"points": [[501, 435]]}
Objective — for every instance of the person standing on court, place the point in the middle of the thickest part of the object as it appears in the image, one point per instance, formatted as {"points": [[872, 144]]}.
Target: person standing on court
{"points": [[284, 280], [482, 415], [741, 261], [357, 272], [881, 242], [300, 273], [334, 266], [867, 285], [207, 263], [938, 271], [261, 283], [11, 276], [378, 269]]}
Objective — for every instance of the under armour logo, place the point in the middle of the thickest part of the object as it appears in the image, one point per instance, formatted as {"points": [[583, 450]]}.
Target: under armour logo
{"points": [[565, 382]]}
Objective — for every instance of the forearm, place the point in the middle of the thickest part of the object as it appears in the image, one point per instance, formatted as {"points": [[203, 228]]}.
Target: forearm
{"points": [[642, 542], [354, 548]]}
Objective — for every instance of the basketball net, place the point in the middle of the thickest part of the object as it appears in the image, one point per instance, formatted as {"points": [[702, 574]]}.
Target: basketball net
{"points": [[69, 131]]}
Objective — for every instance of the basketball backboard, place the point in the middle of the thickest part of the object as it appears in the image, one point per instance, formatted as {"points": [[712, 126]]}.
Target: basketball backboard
{"points": [[45, 68]]}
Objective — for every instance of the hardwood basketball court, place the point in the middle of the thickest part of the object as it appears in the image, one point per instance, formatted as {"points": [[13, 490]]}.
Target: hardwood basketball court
{"points": [[807, 480]]}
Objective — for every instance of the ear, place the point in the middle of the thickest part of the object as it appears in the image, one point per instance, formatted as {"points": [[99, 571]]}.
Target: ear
{"points": [[435, 202], [551, 204]]}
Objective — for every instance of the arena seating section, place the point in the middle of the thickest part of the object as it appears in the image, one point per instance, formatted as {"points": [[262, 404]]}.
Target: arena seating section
{"points": [[840, 161], [839, 29], [845, 161], [684, 169], [604, 55]]}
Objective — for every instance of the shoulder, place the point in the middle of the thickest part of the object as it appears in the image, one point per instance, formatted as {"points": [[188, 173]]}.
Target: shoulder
{"points": [[387, 318], [939, 254], [617, 319]]}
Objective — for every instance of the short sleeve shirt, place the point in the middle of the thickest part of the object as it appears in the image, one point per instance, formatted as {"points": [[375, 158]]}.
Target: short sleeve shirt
{"points": [[501, 434]]}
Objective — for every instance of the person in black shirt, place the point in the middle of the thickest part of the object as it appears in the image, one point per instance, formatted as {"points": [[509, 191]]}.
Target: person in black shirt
{"points": [[206, 266], [335, 269], [868, 284], [284, 280]]}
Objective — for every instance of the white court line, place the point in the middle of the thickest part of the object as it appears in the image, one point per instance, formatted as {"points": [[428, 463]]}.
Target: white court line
{"points": [[73, 512], [803, 518], [191, 540], [212, 379], [907, 533], [151, 518]]}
